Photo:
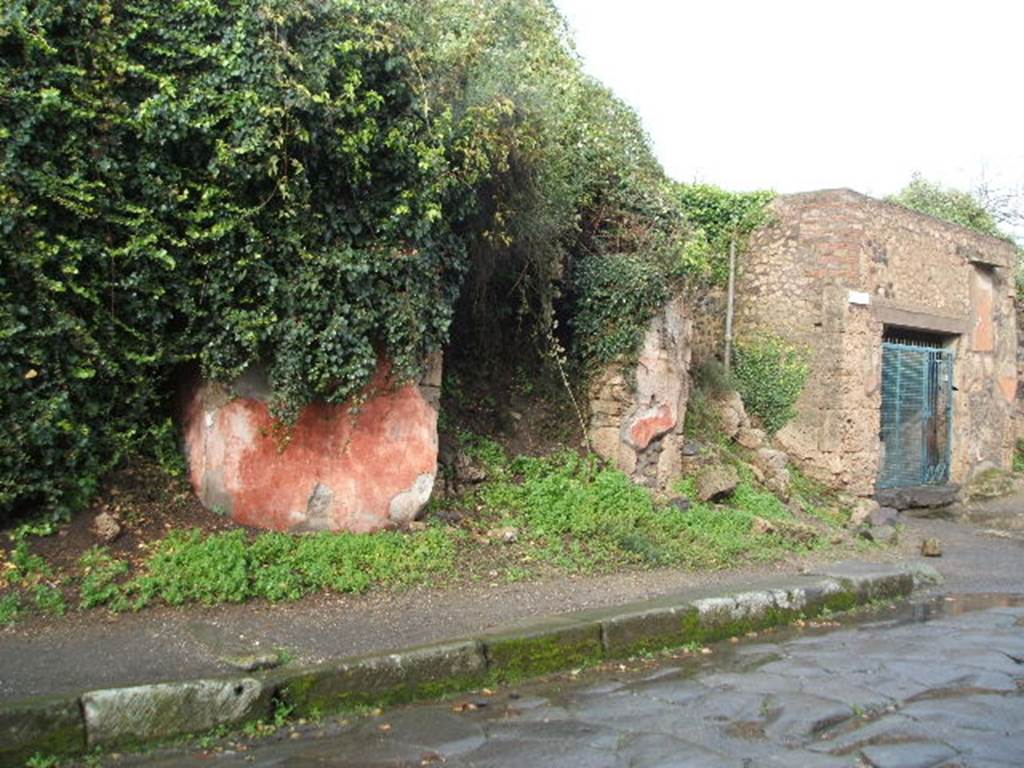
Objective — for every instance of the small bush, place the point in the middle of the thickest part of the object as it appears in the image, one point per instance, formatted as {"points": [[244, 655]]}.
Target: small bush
{"points": [[99, 576], [10, 608], [1018, 456], [770, 375]]}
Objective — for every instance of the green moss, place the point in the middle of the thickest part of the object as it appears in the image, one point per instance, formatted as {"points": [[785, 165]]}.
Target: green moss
{"points": [[40, 727], [514, 658], [840, 601]]}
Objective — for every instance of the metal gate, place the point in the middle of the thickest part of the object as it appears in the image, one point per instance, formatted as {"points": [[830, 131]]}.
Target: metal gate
{"points": [[917, 413]]}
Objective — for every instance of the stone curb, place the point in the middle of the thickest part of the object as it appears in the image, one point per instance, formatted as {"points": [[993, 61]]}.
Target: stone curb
{"points": [[134, 715]]}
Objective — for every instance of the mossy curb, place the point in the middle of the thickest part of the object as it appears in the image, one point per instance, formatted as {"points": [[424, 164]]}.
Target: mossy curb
{"points": [[51, 725], [65, 726], [546, 646]]}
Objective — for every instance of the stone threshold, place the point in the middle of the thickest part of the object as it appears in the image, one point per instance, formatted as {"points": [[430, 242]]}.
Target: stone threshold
{"points": [[137, 715]]}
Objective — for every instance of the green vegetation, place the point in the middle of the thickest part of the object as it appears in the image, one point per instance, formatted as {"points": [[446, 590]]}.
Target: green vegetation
{"points": [[569, 513], [718, 217], [581, 516], [100, 573], [947, 204], [187, 567], [307, 187], [978, 211], [1018, 456], [770, 375]]}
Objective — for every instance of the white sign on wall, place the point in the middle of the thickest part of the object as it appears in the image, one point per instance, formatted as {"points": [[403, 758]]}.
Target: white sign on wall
{"points": [[860, 297]]}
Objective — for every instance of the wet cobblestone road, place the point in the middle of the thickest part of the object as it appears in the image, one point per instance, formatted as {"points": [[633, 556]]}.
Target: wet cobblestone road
{"points": [[938, 684]]}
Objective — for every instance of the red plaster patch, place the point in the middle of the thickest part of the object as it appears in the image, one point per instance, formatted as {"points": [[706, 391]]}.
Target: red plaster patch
{"points": [[365, 456], [651, 425], [1008, 385]]}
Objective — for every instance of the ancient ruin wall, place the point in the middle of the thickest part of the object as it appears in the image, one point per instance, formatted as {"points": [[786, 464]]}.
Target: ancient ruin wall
{"points": [[352, 467], [637, 408], [832, 269]]}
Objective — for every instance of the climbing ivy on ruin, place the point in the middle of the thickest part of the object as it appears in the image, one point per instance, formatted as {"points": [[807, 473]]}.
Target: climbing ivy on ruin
{"points": [[305, 186], [220, 183]]}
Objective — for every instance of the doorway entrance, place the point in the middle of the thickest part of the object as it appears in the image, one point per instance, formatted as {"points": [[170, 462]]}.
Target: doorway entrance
{"points": [[917, 408]]}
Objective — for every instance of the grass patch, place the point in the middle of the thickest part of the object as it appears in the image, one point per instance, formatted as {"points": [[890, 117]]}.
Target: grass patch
{"points": [[567, 513], [187, 567], [580, 515]]}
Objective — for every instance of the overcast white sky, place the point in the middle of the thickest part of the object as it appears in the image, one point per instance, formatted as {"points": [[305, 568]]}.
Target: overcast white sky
{"points": [[797, 95]]}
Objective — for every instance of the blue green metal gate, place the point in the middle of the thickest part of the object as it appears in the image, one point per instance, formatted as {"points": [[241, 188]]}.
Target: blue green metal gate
{"points": [[917, 414]]}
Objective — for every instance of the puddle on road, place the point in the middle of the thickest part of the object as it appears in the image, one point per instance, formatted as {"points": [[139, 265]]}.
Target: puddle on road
{"points": [[914, 611]]}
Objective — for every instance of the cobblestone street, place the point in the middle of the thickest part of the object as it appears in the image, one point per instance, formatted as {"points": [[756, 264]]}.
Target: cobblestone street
{"points": [[934, 684]]}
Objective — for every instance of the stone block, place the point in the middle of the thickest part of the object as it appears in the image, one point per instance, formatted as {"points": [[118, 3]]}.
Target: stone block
{"points": [[386, 678], [870, 581], [148, 712], [546, 646], [716, 482], [751, 437], [917, 497], [644, 630]]}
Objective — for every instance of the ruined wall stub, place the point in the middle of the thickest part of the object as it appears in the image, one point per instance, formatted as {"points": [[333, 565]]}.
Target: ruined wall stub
{"points": [[339, 467], [831, 271], [637, 409]]}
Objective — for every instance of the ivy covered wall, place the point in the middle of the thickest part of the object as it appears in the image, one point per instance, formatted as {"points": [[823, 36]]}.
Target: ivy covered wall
{"points": [[309, 186]]}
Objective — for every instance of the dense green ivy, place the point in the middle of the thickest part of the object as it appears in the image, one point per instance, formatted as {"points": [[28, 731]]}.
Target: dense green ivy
{"points": [[303, 185], [665, 237], [770, 374], [229, 183], [718, 217]]}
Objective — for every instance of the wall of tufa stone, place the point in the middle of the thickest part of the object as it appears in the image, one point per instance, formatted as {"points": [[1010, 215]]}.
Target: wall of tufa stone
{"points": [[637, 409], [830, 272]]}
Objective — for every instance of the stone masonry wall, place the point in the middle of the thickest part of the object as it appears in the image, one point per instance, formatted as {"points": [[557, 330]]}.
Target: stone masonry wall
{"points": [[707, 310], [832, 270], [339, 467], [637, 411]]}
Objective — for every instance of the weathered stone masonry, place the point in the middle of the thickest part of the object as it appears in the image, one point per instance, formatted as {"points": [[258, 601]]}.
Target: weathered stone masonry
{"points": [[340, 467], [830, 273], [637, 409]]}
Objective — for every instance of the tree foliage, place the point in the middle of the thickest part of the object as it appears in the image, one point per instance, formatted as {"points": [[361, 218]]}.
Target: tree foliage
{"points": [[947, 204], [302, 185]]}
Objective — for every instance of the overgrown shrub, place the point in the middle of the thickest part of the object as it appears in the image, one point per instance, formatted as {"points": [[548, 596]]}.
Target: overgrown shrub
{"points": [[227, 183], [770, 375], [304, 185], [618, 294], [718, 217]]}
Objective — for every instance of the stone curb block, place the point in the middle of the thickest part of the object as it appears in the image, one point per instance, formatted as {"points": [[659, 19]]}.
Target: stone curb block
{"points": [[545, 646], [50, 725], [628, 634], [153, 712], [128, 715], [427, 671]]}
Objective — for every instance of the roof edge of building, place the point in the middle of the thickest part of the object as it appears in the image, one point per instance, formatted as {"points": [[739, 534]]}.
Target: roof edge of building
{"points": [[853, 194]]}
